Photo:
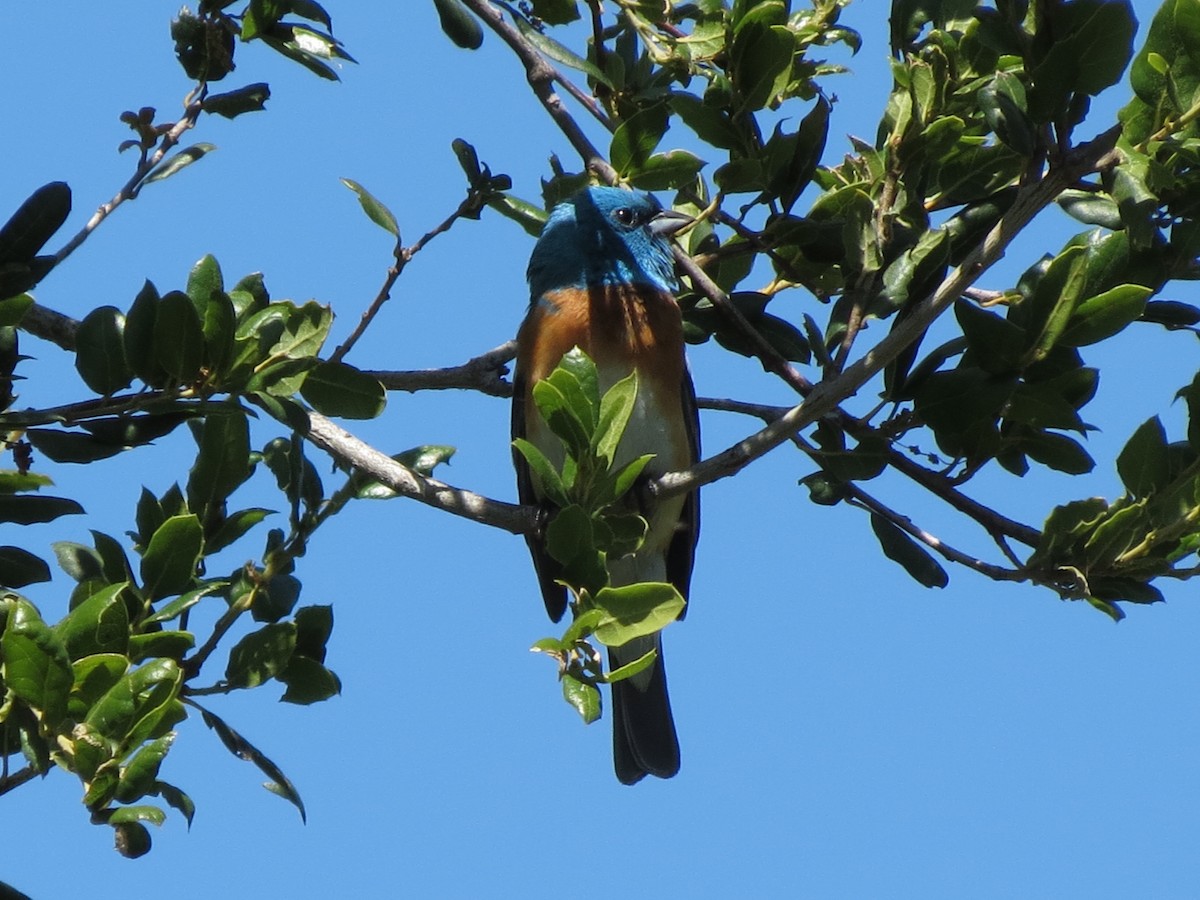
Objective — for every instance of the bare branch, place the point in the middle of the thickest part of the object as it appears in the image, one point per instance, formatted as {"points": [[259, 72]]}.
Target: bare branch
{"points": [[351, 451], [485, 373]]}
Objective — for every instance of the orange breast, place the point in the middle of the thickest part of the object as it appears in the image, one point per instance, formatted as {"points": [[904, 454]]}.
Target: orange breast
{"points": [[621, 328]]}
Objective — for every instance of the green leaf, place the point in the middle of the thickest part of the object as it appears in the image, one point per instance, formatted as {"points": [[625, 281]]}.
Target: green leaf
{"points": [[761, 57], [251, 98], [637, 137], [184, 602], [179, 161], [13, 309], [563, 415], [459, 24], [641, 664], [339, 389], [235, 527], [243, 749], [546, 478], [23, 509], [161, 645], [140, 774], [35, 663], [308, 681], [179, 337], [1093, 42], [901, 548], [100, 624], [376, 211], [583, 698], [672, 170], [261, 655], [177, 800], [571, 541], [555, 12], [34, 223], [136, 707], [222, 463], [636, 610], [1059, 452], [1143, 462], [616, 406], [138, 333], [100, 351], [1106, 314], [169, 563], [20, 567]]}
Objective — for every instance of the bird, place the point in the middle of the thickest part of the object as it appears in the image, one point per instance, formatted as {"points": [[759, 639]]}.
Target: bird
{"points": [[602, 278]]}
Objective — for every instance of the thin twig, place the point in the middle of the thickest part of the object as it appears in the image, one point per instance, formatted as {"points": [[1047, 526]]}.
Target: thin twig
{"points": [[403, 256], [16, 779], [129, 191], [542, 76]]}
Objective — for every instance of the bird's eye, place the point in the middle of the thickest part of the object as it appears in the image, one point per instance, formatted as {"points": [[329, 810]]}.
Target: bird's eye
{"points": [[624, 215]]}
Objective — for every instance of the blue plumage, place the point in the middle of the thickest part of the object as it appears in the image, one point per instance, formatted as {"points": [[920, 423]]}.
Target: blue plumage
{"points": [[602, 278], [605, 236]]}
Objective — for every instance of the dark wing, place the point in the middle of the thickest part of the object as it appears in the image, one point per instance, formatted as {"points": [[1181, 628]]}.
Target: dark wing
{"points": [[554, 595], [681, 555]]}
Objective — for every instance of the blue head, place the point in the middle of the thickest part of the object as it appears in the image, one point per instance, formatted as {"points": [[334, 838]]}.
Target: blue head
{"points": [[605, 236]]}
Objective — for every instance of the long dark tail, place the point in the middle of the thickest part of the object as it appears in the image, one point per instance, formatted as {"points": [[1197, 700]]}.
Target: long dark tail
{"points": [[644, 739]]}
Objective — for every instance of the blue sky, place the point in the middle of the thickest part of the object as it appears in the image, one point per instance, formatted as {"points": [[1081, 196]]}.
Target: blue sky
{"points": [[846, 733]]}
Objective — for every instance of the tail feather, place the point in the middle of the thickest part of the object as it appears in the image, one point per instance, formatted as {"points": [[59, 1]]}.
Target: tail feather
{"points": [[644, 739]]}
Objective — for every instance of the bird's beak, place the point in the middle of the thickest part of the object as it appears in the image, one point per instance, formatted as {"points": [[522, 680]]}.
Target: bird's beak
{"points": [[667, 222]]}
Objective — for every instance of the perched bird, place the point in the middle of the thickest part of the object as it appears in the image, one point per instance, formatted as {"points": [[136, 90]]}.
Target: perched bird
{"points": [[601, 278]]}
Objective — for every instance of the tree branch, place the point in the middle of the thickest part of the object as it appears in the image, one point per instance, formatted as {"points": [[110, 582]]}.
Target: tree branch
{"points": [[541, 76], [485, 373], [192, 109], [351, 451], [826, 397]]}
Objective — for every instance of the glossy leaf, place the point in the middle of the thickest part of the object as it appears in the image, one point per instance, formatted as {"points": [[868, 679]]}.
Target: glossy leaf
{"points": [[222, 463], [24, 509], [1106, 314], [169, 562], [261, 655], [36, 665], [100, 351], [34, 223], [178, 337], [584, 698], [459, 24], [100, 624], [1143, 461], [339, 389]]}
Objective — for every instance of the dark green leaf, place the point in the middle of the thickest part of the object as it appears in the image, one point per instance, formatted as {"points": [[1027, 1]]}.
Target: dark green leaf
{"points": [[901, 548], [459, 24], [20, 567], [179, 337], [555, 12], [100, 351], [308, 681], [169, 563], [222, 463], [637, 137], [339, 389], [251, 98], [140, 350], [161, 645], [1106, 314], [34, 223], [243, 749], [1143, 461], [261, 655], [24, 509]]}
